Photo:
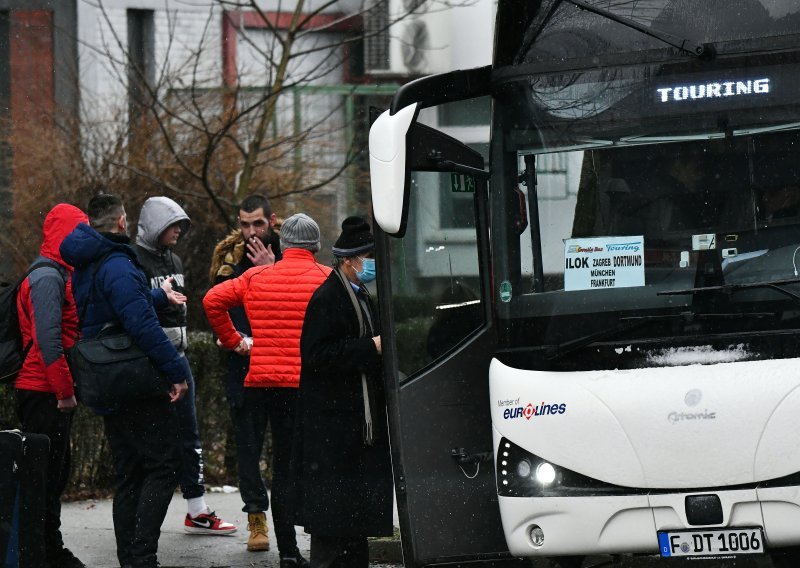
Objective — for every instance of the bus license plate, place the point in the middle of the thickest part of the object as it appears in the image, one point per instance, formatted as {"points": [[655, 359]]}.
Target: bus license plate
{"points": [[711, 542]]}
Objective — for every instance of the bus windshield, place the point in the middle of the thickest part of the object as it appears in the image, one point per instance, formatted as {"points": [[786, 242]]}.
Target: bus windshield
{"points": [[571, 33], [666, 201]]}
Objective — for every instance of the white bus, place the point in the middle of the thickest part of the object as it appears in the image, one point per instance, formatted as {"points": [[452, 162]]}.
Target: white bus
{"points": [[592, 323]]}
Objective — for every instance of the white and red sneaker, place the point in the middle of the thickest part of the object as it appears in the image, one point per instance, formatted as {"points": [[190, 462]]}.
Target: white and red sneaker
{"points": [[207, 523]]}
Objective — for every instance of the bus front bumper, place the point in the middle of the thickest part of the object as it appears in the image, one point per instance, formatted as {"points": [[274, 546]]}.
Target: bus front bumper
{"points": [[629, 523]]}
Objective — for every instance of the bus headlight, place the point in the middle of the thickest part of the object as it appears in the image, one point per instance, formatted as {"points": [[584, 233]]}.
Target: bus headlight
{"points": [[522, 474], [545, 473], [524, 468]]}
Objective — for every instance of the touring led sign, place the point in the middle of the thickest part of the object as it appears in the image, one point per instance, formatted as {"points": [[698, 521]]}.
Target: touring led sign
{"points": [[714, 90]]}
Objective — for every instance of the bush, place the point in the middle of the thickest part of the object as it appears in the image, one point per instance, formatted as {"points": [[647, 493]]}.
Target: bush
{"points": [[92, 472]]}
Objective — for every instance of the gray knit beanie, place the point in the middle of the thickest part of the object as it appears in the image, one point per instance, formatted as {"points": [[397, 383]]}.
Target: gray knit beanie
{"points": [[300, 231]]}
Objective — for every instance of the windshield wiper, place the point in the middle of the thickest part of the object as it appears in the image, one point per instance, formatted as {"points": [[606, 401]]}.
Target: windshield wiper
{"points": [[687, 45], [776, 285], [632, 322]]}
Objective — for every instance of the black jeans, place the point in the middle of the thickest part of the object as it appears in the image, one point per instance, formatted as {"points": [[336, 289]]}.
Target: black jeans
{"points": [[191, 477], [339, 552], [38, 412], [145, 448], [276, 407]]}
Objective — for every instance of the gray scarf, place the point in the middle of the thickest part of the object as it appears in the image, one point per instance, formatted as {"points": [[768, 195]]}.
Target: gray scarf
{"points": [[362, 332]]}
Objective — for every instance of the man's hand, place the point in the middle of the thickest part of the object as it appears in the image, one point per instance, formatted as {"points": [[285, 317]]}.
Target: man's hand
{"points": [[242, 349], [244, 346], [177, 391], [259, 254], [67, 404], [377, 341], [173, 296]]}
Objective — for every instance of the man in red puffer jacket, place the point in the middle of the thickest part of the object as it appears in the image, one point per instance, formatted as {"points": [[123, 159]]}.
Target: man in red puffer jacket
{"points": [[45, 398], [275, 299]]}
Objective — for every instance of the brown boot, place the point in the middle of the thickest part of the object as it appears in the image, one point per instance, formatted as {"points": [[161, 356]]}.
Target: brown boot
{"points": [[257, 525]]}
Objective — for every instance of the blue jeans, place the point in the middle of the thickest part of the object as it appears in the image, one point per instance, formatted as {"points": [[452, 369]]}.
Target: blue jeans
{"points": [[191, 475]]}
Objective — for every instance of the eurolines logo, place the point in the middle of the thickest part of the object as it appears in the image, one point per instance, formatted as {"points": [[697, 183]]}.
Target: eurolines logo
{"points": [[529, 411]]}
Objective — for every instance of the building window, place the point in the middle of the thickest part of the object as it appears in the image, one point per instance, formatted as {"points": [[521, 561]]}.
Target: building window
{"points": [[141, 59], [376, 40]]}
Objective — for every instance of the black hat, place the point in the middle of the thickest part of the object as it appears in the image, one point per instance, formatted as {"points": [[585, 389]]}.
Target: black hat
{"points": [[356, 238]]}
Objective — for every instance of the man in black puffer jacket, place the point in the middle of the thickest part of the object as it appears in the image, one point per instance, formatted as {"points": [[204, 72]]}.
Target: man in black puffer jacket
{"points": [[161, 224]]}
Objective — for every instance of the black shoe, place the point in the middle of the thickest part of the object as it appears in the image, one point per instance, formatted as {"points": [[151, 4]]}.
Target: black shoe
{"points": [[144, 564], [294, 560], [63, 558]]}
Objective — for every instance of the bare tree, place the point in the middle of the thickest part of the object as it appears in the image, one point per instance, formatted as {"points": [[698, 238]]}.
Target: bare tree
{"points": [[230, 139]]}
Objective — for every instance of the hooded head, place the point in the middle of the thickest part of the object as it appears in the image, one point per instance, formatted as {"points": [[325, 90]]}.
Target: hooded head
{"points": [[157, 214], [59, 222]]}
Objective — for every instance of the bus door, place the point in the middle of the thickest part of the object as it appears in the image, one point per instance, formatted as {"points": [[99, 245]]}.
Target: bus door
{"points": [[438, 341]]}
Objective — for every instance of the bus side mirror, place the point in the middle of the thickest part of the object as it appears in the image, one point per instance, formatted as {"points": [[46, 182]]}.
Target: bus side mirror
{"points": [[388, 169]]}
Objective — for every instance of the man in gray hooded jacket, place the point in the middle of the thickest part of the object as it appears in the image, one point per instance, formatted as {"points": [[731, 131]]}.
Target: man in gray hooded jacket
{"points": [[161, 224]]}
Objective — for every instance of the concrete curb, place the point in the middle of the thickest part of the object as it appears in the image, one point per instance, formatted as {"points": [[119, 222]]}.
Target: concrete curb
{"points": [[385, 550]]}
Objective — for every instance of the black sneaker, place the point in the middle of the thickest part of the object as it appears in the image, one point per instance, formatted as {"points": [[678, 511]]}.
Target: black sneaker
{"points": [[294, 560], [63, 558], [147, 564]]}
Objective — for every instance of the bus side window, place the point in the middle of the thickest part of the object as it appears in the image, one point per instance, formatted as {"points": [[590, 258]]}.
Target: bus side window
{"points": [[779, 202], [436, 291], [458, 308]]}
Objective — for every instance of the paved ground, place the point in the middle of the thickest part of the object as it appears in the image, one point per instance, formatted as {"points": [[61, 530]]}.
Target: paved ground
{"points": [[89, 533]]}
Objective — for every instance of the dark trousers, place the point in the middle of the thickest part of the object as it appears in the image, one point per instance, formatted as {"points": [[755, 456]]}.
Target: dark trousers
{"points": [[276, 407], [145, 448], [339, 552], [38, 412], [191, 476]]}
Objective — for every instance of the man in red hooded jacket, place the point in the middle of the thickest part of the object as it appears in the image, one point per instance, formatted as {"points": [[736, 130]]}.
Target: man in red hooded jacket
{"points": [[45, 398]]}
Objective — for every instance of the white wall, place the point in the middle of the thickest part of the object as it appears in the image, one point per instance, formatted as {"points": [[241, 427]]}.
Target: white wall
{"points": [[471, 29], [179, 34], [461, 37]]}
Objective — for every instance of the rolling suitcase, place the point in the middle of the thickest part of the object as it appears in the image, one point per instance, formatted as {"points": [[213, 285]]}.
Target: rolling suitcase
{"points": [[23, 475]]}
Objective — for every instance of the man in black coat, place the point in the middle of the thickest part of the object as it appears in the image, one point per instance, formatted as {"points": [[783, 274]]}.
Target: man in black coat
{"points": [[341, 451]]}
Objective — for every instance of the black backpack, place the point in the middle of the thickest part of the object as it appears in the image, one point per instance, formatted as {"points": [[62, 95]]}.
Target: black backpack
{"points": [[12, 352]]}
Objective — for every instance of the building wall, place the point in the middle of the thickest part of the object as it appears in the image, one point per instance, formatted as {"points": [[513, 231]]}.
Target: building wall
{"points": [[38, 87], [179, 33], [471, 34], [230, 49]]}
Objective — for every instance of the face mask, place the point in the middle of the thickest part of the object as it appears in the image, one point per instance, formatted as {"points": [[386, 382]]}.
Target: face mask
{"points": [[367, 273]]}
